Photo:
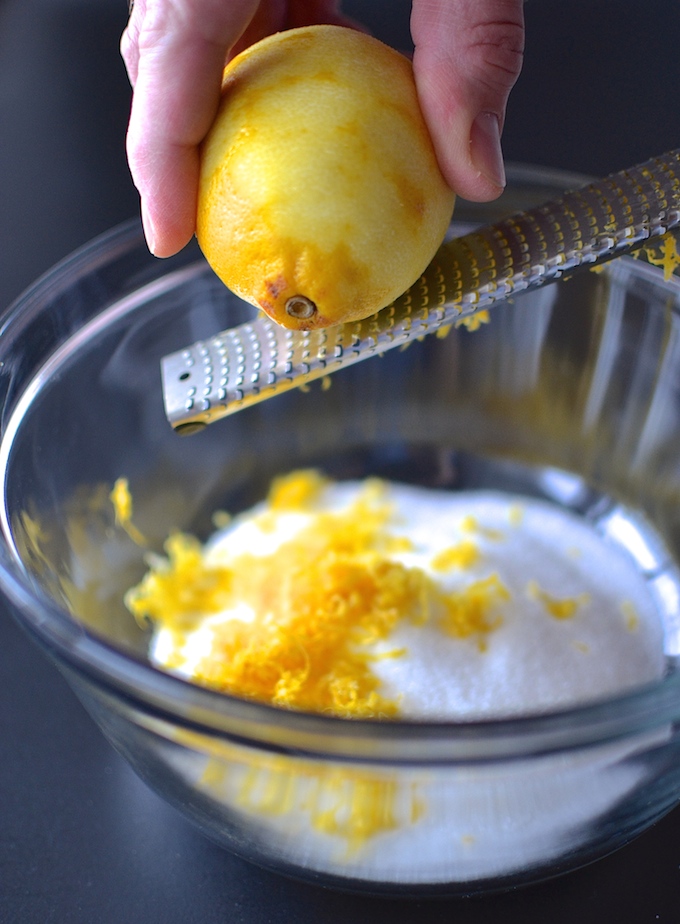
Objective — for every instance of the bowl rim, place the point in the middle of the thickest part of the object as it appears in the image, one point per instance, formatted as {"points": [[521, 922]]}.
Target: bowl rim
{"points": [[166, 700]]}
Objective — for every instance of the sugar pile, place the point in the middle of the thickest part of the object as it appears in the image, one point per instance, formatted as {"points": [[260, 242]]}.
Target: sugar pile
{"points": [[519, 607], [579, 622], [556, 616]]}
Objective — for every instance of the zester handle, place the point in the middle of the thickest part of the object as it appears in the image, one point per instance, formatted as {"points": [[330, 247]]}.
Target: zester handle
{"points": [[258, 360]]}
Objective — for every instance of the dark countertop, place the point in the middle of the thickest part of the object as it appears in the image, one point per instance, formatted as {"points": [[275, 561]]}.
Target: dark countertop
{"points": [[81, 838]]}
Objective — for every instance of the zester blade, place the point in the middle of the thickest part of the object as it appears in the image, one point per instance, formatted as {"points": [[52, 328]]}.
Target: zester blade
{"points": [[260, 359]]}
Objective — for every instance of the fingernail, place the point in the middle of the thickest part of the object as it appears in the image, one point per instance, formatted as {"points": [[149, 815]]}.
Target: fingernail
{"points": [[149, 233], [485, 148]]}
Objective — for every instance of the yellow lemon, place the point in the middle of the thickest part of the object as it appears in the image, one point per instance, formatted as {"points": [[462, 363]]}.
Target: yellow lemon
{"points": [[320, 196]]}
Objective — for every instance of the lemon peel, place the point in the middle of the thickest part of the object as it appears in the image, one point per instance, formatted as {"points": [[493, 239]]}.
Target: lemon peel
{"points": [[320, 196]]}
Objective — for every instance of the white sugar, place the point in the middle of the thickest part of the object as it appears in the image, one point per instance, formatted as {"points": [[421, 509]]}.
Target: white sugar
{"points": [[576, 623], [533, 661]]}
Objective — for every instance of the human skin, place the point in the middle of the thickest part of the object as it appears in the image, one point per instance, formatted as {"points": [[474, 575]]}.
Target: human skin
{"points": [[467, 57]]}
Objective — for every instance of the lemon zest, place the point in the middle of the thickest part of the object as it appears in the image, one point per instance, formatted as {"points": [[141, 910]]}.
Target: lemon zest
{"points": [[630, 615], [350, 805], [463, 555], [356, 808], [664, 253], [121, 498], [474, 609], [516, 515], [565, 608], [221, 519], [178, 591], [319, 602], [470, 524], [473, 322], [299, 490]]}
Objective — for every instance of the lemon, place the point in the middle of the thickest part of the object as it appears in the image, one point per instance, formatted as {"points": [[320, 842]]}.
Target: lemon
{"points": [[320, 197]]}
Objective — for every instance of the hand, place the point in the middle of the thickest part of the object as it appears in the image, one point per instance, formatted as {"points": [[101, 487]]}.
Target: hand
{"points": [[468, 54]]}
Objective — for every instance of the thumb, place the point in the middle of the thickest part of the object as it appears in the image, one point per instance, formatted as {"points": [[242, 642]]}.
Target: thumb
{"points": [[468, 55]]}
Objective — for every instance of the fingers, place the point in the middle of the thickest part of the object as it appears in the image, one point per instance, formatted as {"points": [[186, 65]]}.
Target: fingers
{"points": [[128, 42], [468, 55], [175, 52]]}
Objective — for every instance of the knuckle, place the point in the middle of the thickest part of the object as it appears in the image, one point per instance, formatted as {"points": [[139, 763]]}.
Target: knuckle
{"points": [[499, 47], [128, 46], [136, 148]]}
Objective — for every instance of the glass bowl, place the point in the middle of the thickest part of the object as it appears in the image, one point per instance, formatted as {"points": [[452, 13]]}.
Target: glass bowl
{"points": [[570, 394]]}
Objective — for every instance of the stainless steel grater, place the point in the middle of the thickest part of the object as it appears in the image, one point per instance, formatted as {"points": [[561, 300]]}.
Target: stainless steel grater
{"points": [[259, 360]]}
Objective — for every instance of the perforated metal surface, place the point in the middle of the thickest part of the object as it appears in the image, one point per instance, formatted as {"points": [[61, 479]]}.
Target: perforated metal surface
{"points": [[259, 360]]}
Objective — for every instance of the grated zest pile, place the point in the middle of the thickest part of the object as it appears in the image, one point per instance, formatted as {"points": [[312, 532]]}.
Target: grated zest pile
{"points": [[312, 610], [302, 623]]}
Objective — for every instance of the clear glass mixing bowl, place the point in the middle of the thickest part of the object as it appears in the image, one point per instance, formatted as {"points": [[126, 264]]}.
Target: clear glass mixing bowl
{"points": [[571, 393]]}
